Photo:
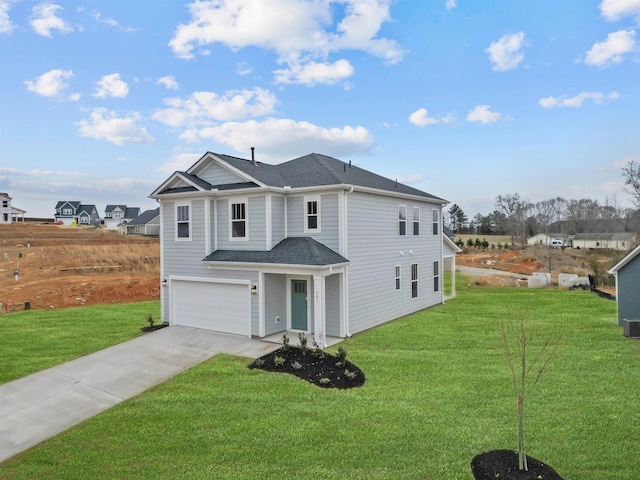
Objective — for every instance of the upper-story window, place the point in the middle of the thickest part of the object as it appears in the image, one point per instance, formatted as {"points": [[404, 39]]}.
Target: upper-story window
{"points": [[5, 203], [67, 211], [183, 222], [402, 219], [312, 214], [117, 214], [239, 220], [436, 222], [416, 220]]}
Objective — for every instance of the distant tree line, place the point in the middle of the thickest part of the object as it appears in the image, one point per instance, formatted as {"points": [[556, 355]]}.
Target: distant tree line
{"points": [[520, 218]]}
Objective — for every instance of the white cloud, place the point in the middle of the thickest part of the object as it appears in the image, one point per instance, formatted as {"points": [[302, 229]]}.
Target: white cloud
{"points": [[169, 82], [483, 114], [111, 86], [409, 179], [107, 21], [300, 31], [312, 73], [106, 125], [41, 173], [5, 21], [613, 10], [179, 162], [201, 108], [578, 100], [506, 53], [612, 50], [50, 83], [243, 68], [420, 118], [451, 4], [44, 20], [278, 139]]}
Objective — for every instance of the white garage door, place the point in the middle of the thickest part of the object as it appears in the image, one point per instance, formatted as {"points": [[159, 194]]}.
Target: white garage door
{"points": [[223, 307]]}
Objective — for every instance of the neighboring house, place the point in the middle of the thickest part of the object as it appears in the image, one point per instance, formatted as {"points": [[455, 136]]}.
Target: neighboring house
{"points": [[449, 251], [627, 274], [551, 240], [8, 213], [76, 213], [611, 241], [147, 223], [116, 216], [313, 245]]}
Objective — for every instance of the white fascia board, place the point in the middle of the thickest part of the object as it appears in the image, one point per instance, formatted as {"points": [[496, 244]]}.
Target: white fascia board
{"points": [[387, 193], [634, 253]]}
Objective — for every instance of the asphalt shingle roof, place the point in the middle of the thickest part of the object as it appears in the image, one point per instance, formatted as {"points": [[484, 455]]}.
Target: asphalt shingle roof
{"points": [[290, 251], [145, 217]]}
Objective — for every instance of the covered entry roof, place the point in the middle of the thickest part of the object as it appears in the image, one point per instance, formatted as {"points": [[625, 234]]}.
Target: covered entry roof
{"points": [[290, 251]]}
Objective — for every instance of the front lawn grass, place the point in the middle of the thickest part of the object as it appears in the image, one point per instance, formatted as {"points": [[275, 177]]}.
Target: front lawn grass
{"points": [[35, 340], [437, 393]]}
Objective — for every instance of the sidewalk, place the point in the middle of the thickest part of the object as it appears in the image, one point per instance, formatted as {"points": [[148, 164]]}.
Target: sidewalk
{"points": [[46, 403]]}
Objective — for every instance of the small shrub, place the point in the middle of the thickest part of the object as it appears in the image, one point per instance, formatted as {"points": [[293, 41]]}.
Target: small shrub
{"points": [[469, 243], [317, 351], [150, 320], [324, 381], [278, 361], [341, 354], [285, 342], [296, 365], [259, 362], [349, 374], [302, 342], [499, 246]]}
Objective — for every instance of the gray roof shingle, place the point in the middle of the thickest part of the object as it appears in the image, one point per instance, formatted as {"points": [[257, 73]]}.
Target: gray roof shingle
{"points": [[290, 251]]}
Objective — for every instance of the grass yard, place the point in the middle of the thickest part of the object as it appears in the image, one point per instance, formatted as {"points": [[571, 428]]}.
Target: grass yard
{"points": [[35, 340], [437, 393]]}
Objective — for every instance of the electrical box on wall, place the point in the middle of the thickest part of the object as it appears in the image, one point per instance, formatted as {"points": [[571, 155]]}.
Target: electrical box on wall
{"points": [[631, 328]]}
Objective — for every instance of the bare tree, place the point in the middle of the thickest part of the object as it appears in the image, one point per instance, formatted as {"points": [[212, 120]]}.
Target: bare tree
{"points": [[631, 174], [515, 211], [526, 366]]}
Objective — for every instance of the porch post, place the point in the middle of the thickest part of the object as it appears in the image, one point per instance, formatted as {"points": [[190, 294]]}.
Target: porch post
{"points": [[319, 319]]}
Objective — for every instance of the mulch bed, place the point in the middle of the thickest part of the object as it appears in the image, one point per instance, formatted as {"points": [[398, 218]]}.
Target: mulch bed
{"points": [[503, 465], [316, 366]]}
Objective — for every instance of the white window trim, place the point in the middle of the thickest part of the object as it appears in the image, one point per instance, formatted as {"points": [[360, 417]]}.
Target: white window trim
{"points": [[183, 204], [398, 274], [436, 221], [414, 221], [416, 281], [307, 199], [232, 202], [400, 208], [436, 264]]}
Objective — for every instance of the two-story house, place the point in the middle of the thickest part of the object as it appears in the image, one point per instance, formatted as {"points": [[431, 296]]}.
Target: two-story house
{"points": [[76, 213], [8, 213], [312, 245], [116, 216]]}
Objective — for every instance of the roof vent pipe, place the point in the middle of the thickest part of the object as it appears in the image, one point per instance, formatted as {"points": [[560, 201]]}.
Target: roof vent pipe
{"points": [[253, 155], [349, 163]]}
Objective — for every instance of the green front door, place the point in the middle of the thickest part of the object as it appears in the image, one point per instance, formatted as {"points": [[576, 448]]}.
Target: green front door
{"points": [[299, 305]]}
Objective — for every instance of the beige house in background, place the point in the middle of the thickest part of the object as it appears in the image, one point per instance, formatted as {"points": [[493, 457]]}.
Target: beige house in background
{"points": [[9, 214]]}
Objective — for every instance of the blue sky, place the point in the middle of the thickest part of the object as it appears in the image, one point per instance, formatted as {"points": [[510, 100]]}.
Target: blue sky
{"points": [[100, 101]]}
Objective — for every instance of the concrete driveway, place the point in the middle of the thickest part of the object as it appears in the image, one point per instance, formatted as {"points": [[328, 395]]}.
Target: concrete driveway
{"points": [[46, 403]]}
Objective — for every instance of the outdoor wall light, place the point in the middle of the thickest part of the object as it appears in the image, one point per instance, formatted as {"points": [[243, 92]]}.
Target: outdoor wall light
{"points": [[164, 282], [254, 290]]}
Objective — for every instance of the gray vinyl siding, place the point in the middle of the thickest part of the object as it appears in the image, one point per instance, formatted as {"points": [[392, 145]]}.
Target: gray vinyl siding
{"points": [[217, 175], [375, 248], [332, 305], [256, 218], [275, 303], [629, 291], [277, 220], [329, 220]]}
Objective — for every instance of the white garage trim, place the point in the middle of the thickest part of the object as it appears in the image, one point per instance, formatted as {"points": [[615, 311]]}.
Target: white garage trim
{"points": [[221, 305]]}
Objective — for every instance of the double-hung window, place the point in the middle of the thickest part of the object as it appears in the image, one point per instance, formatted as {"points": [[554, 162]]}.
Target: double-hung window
{"points": [[436, 276], [312, 214], [239, 220], [183, 223], [414, 280], [402, 219], [416, 220], [397, 277], [436, 222]]}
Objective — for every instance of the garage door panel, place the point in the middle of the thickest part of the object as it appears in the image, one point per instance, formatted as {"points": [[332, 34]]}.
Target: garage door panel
{"points": [[218, 306]]}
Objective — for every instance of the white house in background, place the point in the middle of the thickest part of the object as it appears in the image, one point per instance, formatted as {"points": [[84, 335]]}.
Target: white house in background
{"points": [[116, 216], [147, 223], [547, 240], [8, 213], [313, 245], [611, 241]]}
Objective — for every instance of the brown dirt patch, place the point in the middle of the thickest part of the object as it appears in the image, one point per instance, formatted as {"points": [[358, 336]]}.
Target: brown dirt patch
{"points": [[61, 267]]}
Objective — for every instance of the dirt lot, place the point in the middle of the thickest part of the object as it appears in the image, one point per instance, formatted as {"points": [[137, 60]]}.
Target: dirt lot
{"points": [[528, 260], [61, 267]]}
